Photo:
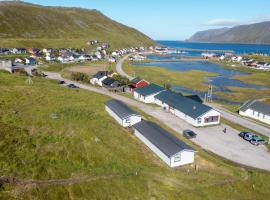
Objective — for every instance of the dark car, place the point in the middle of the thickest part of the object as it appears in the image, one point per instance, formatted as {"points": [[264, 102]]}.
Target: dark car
{"points": [[61, 82], [242, 134], [72, 86], [249, 136], [258, 141], [189, 134]]}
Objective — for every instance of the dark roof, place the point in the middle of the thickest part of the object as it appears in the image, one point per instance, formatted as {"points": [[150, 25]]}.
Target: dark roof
{"points": [[108, 81], [195, 98], [149, 89], [186, 105], [136, 80], [101, 74], [162, 139], [256, 106], [120, 109]]}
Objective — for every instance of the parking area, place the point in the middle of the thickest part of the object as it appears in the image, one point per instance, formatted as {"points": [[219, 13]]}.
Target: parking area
{"points": [[227, 145]]}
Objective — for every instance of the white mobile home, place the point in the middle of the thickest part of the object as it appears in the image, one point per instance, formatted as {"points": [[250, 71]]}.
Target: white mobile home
{"points": [[124, 115], [193, 112], [147, 93], [256, 110], [166, 146]]}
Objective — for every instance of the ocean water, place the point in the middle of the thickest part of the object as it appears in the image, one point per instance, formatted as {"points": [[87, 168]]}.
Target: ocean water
{"points": [[236, 48], [221, 81]]}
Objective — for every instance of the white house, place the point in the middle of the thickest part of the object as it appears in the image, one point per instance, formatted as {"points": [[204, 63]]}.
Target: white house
{"points": [[256, 110], [166, 146], [99, 77], [124, 115], [147, 93], [193, 112]]}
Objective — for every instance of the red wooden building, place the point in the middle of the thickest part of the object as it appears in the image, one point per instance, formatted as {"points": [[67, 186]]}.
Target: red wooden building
{"points": [[137, 83]]}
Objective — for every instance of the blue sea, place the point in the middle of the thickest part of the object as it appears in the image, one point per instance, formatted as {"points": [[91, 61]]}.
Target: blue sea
{"points": [[236, 48], [224, 78]]}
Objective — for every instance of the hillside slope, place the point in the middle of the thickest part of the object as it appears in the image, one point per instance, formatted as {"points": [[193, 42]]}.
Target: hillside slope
{"points": [[26, 25], [258, 33]]}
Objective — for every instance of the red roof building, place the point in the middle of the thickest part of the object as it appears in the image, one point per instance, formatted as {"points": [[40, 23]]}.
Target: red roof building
{"points": [[137, 83]]}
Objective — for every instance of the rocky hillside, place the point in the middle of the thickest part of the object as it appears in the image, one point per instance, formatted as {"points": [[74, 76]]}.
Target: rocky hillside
{"points": [[258, 33], [25, 25]]}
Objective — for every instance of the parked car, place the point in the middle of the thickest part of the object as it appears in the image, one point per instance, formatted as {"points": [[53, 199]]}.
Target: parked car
{"points": [[258, 141], [189, 134], [61, 82], [249, 136], [72, 86], [242, 134]]}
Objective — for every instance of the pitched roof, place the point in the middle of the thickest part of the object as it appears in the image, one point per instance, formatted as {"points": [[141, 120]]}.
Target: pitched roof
{"points": [[101, 74], [136, 80], [186, 105], [162, 139], [149, 89], [120, 109], [108, 81], [256, 106], [195, 98]]}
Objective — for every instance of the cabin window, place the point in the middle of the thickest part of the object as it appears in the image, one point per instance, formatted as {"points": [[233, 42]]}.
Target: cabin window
{"points": [[253, 112], [263, 116], [177, 158], [199, 120], [211, 119]]}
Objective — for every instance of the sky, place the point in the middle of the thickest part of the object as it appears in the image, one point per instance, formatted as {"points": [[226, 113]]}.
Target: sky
{"points": [[174, 19]]}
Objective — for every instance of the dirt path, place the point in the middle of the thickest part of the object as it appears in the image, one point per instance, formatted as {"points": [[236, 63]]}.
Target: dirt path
{"points": [[13, 180]]}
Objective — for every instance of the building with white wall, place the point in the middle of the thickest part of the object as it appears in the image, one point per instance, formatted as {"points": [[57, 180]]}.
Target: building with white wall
{"points": [[193, 112], [147, 93], [256, 110], [124, 115], [166, 146]]}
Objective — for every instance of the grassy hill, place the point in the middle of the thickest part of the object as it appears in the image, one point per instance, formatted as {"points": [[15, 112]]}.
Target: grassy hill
{"points": [[85, 154], [258, 33], [28, 25]]}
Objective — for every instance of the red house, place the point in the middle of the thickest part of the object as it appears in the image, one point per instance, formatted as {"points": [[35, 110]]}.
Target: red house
{"points": [[137, 83]]}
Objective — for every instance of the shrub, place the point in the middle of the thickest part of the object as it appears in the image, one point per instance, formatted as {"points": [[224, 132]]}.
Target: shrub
{"points": [[78, 76]]}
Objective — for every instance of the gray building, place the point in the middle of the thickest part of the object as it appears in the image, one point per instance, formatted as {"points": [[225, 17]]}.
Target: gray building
{"points": [[123, 114], [169, 148]]}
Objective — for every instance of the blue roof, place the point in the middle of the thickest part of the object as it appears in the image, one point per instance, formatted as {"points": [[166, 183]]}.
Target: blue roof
{"points": [[149, 89], [186, 105]]}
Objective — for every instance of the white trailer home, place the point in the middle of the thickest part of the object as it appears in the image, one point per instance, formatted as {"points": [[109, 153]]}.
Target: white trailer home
{"points": [[256, 110], [166, 146], [147, 93], [193, 112], [124, 115]]}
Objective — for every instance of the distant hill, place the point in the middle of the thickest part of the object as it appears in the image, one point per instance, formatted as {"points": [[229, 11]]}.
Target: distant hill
{"points": [[258, 33], [27, 25]]}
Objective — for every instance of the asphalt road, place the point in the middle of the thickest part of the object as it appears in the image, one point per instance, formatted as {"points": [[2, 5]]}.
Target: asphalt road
{"points": [[119, 68], [225, 114], [229, 146]]}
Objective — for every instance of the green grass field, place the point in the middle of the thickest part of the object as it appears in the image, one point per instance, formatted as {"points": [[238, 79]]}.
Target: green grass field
{"points": [[85, 144], [190, 79]]}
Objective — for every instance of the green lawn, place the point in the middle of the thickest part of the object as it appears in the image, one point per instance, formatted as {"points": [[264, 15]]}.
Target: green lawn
{"points": [[84, 142], [190, 79]]}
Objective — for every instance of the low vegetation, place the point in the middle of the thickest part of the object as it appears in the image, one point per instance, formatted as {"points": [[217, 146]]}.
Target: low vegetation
{"points": [[62, 27], [59, 143], [193, 79], [80, 77]]}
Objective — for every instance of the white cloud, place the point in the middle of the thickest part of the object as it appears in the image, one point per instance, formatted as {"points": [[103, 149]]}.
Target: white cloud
{"points": [[223, 22], [234, 22]]}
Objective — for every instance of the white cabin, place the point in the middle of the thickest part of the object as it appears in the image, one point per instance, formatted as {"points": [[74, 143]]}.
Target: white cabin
{"points": [[124, 115]]}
